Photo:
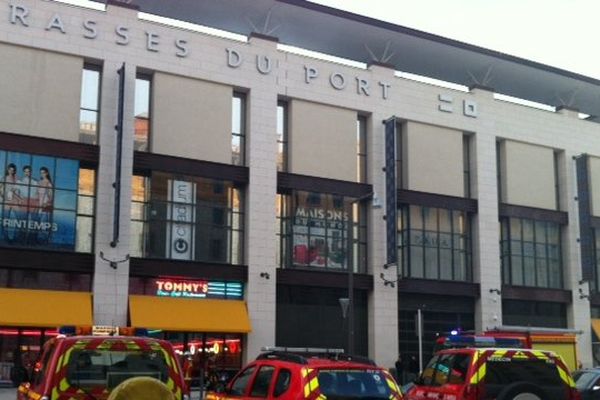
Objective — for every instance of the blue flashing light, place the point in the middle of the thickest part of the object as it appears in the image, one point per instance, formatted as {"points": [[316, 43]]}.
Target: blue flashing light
{"points": [[67, 330], [141, 332], [454, 332]]}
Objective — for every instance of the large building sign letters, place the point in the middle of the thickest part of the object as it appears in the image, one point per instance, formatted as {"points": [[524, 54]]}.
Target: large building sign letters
{"points": [[89, 29]]}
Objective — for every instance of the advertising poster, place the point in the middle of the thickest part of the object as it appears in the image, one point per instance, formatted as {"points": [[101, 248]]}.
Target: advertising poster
{"points": [[180, 214], [38, 201], [320, 237]]}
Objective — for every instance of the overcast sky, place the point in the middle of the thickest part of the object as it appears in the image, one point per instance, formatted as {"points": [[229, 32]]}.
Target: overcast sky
{"points": [[561, 33]]}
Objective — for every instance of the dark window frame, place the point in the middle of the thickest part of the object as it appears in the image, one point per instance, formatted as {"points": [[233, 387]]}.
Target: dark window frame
{"points": [[361, 149], [241, 136], [283, 136]]}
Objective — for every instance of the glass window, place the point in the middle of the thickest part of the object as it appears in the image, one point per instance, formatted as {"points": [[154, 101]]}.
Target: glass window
{"points": [[532, 313], [239, 385], [46, 202], [321, 230], [260, 387], [282, 136], [531, 253], [361, 149], [143, 93], [187, 218], [238, 128], [90, 104], [467, 165], [435, 243], [283, 382]]}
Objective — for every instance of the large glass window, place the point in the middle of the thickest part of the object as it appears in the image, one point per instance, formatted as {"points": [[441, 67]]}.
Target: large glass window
{"points": [[531, 253], [141, 134], [90, 104], [46, 202], [238, 128], [187, 218], [434, 243], [317, 229], [282, 136]]}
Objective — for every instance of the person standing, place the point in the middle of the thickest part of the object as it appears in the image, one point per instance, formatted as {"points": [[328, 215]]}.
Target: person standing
{"points": [[45, 196], [399, 364]]}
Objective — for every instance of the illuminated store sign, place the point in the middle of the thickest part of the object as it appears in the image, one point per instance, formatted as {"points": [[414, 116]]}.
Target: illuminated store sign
{"points": [[122, 36], [197, 289]]}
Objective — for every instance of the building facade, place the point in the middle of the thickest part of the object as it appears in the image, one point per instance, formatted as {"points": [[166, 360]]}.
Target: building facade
{"points": [[218, 190]]}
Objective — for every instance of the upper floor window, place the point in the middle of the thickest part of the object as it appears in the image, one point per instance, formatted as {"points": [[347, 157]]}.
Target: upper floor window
{"points": [[282, 136], [596, 282], [322, 231], [238, 128], [89, 111], [46, 202], [531, 253], [435, 243], [141, 136], [187, 218], [361, 149]]}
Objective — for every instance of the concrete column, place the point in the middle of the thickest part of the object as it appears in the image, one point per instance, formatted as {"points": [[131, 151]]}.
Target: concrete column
{"points": [[111, 286], [383, 300], [261, 243], [486, 232], [578, 313]]}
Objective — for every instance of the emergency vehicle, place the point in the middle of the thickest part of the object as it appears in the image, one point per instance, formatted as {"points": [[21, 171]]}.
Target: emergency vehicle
{"points": [[494, 374], [309, 374], [561, 341], [91, 363]]}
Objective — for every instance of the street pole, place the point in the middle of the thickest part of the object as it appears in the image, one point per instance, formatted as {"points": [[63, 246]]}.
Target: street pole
{"points": [[420, 335]]}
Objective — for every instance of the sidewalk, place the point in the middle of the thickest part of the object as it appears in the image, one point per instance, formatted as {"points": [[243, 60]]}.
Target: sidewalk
{"points": [[11, 394], [8, 394]]}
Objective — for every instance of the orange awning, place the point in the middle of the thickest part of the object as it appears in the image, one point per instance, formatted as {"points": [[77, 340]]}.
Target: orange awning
{"points": [[44, 308], [596, 327], [189, 315]]}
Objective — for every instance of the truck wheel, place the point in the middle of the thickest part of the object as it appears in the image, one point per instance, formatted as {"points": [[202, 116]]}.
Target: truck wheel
{"points": [[522, 391], [141, 387]]}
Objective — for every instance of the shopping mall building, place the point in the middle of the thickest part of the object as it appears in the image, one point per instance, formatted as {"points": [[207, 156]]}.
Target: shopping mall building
{"points": [[215, 187]]}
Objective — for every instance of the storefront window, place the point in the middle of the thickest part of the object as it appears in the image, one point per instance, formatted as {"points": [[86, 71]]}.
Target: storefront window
{"points": [[187, 218], [435, 243], [19, 350], [531, 253], [45, 280], [46, 202], [534, 313], [317, 229], [214, 358]]}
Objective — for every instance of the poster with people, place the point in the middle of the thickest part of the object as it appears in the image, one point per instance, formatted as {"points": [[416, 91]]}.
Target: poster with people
{"points": [[38, 201]]}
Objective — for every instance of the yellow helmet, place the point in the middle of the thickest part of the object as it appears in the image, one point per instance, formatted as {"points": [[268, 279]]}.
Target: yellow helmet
{"points": [[141, 387]]}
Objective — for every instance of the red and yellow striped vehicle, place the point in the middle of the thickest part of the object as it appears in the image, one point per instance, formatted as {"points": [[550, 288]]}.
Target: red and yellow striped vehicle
{"points": [[287, 375], [92, 367], [494, 374]]}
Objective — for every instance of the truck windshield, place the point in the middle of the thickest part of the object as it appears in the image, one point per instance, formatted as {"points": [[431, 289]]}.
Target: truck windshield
{"points": [[107, 368], [353, 383]]}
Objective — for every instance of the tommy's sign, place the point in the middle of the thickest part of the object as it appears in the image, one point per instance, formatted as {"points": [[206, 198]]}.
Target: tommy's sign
{"points": [[89, 29], [172, 288]]}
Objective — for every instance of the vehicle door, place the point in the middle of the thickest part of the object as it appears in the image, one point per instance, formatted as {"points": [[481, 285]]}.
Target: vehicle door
{"points": [[262, 382], [239, 387]]}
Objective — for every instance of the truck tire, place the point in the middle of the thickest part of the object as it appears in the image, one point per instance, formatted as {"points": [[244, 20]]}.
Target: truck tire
{"points": [[142, 387], [522, 391]]}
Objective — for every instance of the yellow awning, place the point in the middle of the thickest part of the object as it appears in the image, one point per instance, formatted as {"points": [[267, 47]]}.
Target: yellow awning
{"points": [[189, 315], [44, 308], [596, 327]]}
